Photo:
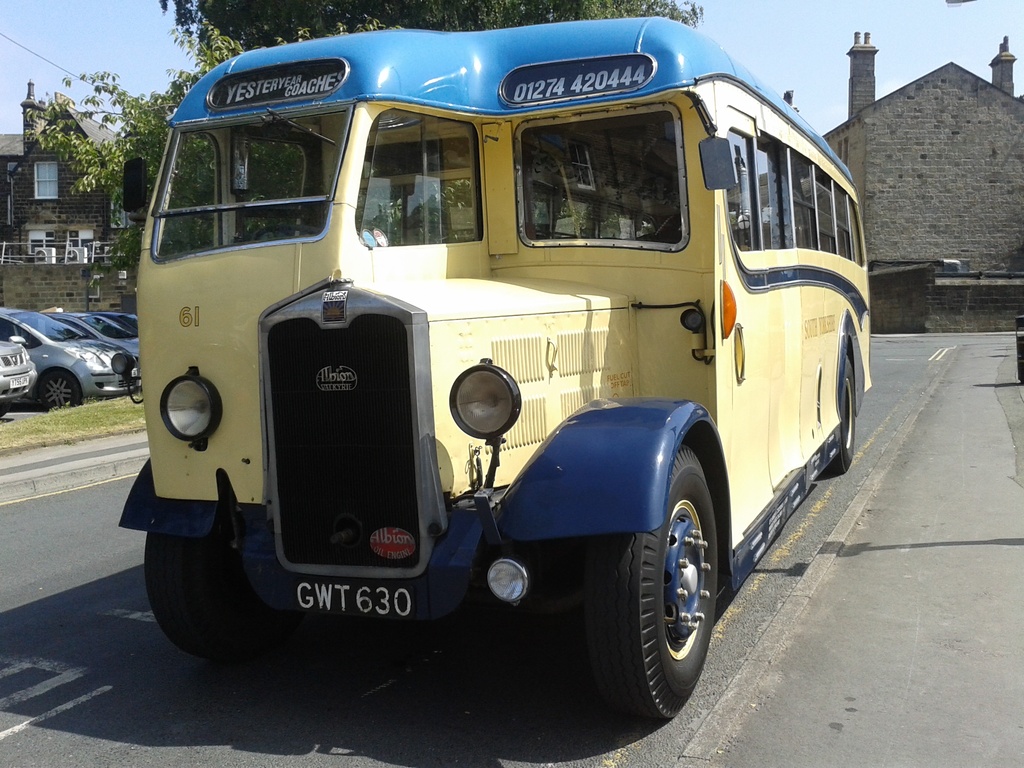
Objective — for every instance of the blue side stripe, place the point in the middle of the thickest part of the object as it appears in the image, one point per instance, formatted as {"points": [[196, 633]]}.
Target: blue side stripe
{"points": [[775, 278]]}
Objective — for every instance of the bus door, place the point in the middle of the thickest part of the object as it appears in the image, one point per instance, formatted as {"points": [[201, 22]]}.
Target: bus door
{"points": [[749, 349]]}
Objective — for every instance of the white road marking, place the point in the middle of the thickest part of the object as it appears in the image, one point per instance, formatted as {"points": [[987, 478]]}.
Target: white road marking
{"points": [[55, 711], [40, 688], [122, 613]]}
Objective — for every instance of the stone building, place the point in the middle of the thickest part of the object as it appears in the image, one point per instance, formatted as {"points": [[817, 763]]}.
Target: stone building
{"points": [[53, 241], [44, 220], [939, 164]]}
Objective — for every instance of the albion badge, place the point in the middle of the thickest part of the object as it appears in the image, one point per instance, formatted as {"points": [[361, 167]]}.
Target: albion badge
{"points": [[340, 378], [334, 306]]}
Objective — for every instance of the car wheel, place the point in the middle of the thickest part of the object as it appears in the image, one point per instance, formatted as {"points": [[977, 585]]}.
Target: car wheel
{"points": [[4, 408], [203, 602], [649, 601], [57, 389]]}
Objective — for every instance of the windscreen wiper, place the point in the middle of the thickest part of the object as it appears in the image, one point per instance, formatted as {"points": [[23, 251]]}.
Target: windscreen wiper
{"points": [[277, 117]]}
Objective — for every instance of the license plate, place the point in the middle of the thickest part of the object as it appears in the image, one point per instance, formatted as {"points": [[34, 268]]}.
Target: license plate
{"points": [[357, 598], [19, 381]]}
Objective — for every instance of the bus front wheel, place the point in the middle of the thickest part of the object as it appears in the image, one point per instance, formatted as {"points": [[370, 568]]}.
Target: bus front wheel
{"points": [[650, 602], [203, 602]]}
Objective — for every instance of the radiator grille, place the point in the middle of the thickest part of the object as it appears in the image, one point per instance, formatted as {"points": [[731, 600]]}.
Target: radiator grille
{"points": [[343, 439]]}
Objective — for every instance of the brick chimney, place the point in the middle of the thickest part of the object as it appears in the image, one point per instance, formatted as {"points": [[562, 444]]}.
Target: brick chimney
{"points": [[862, 73], [30, 109], [1002, 67]]}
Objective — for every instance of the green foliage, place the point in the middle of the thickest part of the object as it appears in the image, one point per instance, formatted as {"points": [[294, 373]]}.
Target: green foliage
{"points": [[139, 123], [264, 22]]}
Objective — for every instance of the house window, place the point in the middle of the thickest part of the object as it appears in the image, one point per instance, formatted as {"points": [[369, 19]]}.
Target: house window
{"points": [[46, 180], [579, 154], [38, 238]]}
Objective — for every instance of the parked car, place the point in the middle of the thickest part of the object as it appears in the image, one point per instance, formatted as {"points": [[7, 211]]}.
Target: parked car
{"points": [[101, 327], [17, 374], [71, 365]]}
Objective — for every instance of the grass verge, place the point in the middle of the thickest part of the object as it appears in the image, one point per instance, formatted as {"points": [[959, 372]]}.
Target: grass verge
{"points": [[64, 426]]}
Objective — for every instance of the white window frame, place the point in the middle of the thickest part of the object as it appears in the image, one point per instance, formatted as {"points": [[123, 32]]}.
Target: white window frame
{"points": [[41, 238], [44, 183]]}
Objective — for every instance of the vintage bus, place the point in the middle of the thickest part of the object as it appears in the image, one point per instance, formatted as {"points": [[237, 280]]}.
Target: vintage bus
{"points": [[564, 316]]}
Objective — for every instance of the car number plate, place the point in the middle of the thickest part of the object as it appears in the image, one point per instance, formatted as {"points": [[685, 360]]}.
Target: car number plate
{"points": [[19, 381], [357, 598]]}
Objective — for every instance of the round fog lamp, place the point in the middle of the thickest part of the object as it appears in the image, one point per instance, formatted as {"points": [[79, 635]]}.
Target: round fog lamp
{"points": [[508, 580], [485, 401], [190, 407], [122, 363]]}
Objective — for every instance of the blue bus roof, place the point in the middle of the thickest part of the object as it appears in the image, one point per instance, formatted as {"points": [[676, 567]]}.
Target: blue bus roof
{"points": [[463, 71]]}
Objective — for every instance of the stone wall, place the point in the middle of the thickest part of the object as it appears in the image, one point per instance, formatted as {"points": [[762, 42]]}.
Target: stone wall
{"points": [[899, 299], [913, 300], [41, 286], [975, 305]]}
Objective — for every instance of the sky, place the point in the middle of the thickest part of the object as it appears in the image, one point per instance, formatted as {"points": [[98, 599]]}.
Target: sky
{"points": [[797, 45]]}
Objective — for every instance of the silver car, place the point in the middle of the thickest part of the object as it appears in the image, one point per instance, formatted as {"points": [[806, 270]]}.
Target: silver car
{"points": [[71, 366], [17, 374]]}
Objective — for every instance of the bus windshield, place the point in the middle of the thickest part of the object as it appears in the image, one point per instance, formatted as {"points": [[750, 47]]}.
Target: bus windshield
{"points": [[267, 179], [614, 180]]}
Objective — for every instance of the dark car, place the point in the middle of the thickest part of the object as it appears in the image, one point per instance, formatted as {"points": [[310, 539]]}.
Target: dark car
{"points": [[102, 327], [127, 319]]}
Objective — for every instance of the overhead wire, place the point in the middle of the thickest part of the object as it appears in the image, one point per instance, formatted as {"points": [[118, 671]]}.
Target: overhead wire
{"points": [[40, 56]]}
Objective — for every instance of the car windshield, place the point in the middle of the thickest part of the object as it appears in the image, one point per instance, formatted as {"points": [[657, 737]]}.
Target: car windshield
{"points": [[105, 327], [128, 321], [51, 327]]}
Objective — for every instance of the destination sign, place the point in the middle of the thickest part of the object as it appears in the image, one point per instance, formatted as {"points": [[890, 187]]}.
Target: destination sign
{"points": [[576, 79], [273, 85]]}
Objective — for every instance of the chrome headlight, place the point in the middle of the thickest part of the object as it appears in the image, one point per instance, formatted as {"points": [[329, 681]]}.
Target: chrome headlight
{"points": [[191, 407], [485, 401], [92, 359]]}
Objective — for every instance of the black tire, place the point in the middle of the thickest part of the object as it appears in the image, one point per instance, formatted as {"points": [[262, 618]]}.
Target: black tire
{"points": [[4, 408], [840, 465], [56, 389], [204, 603], [645, 655]]}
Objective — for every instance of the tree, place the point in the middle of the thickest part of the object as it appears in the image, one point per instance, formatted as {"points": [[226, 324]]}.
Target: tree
{"points": [[257, 23], [140, 123]]}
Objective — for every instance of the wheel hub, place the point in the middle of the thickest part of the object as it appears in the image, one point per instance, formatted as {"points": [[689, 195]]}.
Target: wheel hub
{"points": [[685, 566]]}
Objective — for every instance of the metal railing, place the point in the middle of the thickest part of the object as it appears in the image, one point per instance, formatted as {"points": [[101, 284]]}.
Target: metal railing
{"points": [[93, 252]]}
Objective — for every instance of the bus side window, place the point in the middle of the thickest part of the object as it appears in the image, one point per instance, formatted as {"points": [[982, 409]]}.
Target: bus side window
{"points": [[843, 232], [855, 234], [826, 219], [802, 186], [739, 197], [420, 181], [769, 193]]}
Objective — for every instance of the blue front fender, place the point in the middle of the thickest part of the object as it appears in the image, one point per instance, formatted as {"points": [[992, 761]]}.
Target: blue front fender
{"points": [[145, 511], [605, 469]]}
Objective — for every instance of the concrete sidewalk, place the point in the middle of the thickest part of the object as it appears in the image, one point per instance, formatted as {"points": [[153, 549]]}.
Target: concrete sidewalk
{"points": [[60, 468], [903, 645]]}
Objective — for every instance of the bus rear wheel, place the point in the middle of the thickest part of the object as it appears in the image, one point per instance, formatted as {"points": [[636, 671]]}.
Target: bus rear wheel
{"points": [[650, 602], [847, 425], [204, 603]]}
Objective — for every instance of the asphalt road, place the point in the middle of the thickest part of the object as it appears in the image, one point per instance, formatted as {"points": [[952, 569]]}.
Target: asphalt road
{"points": [[87, 678]]}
